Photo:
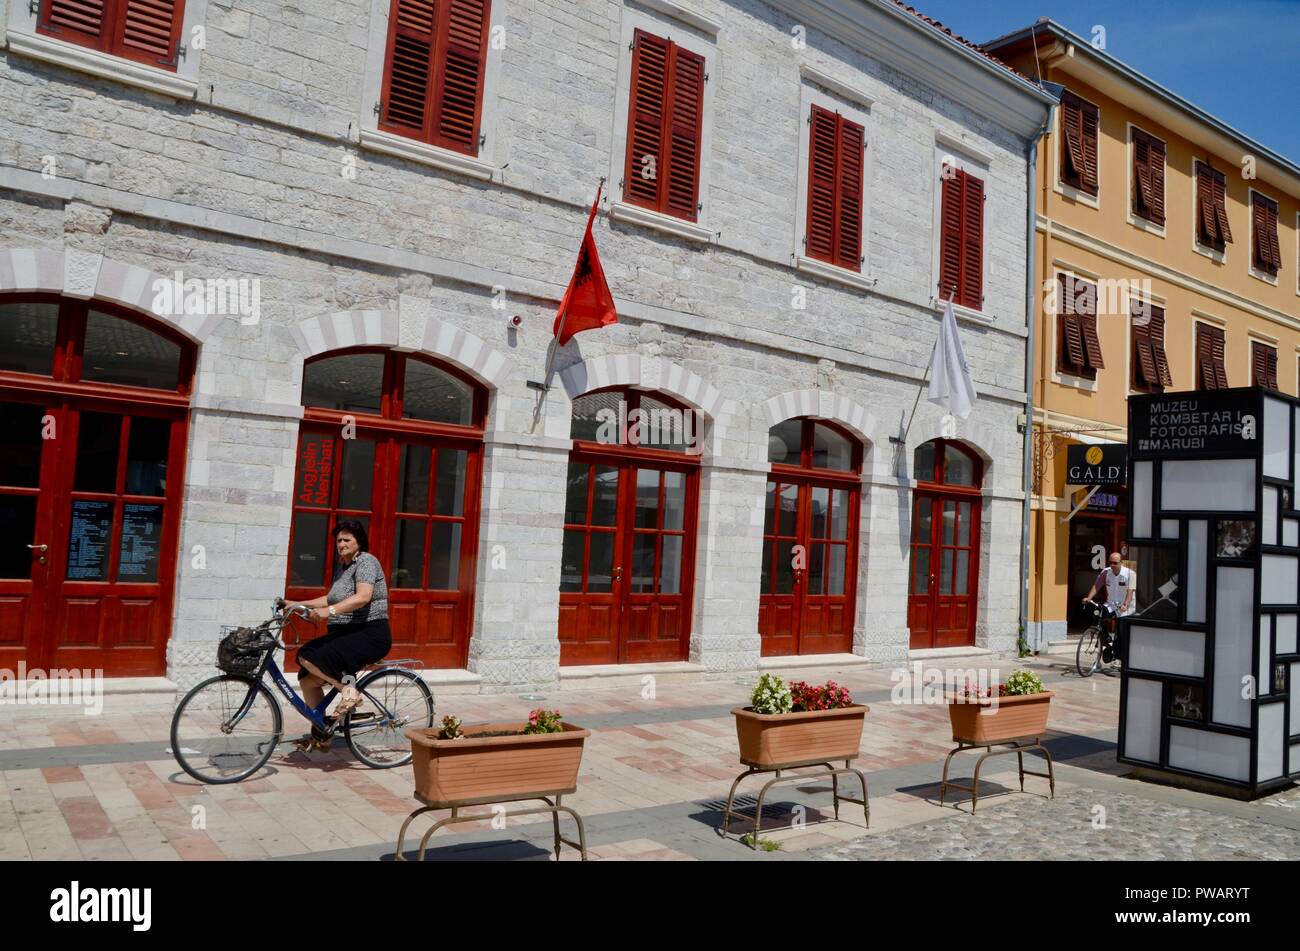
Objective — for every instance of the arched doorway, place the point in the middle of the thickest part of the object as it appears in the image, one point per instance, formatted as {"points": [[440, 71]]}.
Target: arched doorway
{"points": [[632, 500], [95, 402], [394, 440], [943, 592], [810, 539]]}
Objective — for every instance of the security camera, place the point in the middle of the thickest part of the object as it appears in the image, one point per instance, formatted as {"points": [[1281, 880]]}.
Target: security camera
{"points": [[515, 321]]}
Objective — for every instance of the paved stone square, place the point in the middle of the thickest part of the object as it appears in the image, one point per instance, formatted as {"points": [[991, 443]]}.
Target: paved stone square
{"points": [[654, 778]]}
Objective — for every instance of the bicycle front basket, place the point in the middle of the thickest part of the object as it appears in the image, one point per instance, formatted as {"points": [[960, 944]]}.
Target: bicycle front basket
{"points": [[240, 651]]}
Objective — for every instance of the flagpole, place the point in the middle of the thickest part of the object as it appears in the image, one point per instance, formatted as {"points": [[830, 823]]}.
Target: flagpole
{"points": [[924, 380], [555, 340]]}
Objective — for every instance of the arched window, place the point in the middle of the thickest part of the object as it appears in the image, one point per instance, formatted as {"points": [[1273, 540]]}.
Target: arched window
{"points": [[87, 574], [629, 534], [943, 592], [810, 538], [394, 440]]}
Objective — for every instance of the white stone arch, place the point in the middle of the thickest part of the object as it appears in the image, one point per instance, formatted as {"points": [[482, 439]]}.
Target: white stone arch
{"points": [[411, 327], [975, 436], [86, 275], [650, 373], [821, 404]]}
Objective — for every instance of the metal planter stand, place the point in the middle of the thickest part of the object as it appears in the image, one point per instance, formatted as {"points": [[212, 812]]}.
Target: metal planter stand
{"points": [[828, 771], [554, 808], [1018, 745]]}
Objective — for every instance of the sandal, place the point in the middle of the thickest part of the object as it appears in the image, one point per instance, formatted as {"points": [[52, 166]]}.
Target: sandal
{"points": [[349, 699]]}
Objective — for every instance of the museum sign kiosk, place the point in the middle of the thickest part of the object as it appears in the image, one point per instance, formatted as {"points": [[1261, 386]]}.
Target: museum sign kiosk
{"points": [[1210, 661]]}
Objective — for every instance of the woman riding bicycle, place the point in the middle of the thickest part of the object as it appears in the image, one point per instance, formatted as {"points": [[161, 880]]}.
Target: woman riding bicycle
{"points": [[356, 609]]}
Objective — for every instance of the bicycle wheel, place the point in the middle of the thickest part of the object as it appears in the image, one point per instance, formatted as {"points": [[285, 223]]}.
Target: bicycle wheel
{"points": [[221, 734], [1088, 652], [394, 700]]}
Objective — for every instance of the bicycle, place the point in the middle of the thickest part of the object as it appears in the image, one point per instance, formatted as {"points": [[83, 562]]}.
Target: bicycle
{"points": [[1097, 647], [228, 726]]}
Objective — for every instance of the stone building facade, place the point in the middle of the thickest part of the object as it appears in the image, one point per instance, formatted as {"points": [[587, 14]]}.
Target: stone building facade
{"points": [[260, 157]]}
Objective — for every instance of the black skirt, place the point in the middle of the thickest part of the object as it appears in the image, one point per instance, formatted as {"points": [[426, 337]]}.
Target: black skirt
{"points": [[347, 648]]}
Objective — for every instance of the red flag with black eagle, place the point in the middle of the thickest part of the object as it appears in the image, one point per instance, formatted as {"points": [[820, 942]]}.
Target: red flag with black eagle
{"points": [[587, 303]]}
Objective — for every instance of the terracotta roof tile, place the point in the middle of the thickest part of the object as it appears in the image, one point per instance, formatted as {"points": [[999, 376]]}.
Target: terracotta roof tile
{"points": [[960, 39]]}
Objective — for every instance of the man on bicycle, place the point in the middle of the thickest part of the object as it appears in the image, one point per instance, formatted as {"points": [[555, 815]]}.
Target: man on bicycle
{"points": [[1120, 585]]}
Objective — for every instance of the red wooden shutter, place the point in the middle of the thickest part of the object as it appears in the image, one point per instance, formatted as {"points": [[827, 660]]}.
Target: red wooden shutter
{"points": [[150, 30], [459, 83], [821, 184], [1207, 221], [971, 293], [412, 37], [78, 21], [852, 142], [686, 102], [950, 232], [646, 119]]}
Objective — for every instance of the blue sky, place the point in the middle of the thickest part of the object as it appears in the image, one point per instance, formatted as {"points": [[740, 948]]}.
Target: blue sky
{"points": [[1204, 51]]}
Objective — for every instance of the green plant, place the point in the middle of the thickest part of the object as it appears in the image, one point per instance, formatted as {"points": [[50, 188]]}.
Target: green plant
{"points": [[544, 721], [1022, 643], [771, 695], [1023, 682], [450, 729], [767, 845]]}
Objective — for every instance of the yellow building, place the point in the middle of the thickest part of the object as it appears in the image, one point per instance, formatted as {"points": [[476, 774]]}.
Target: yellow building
{"points": [[1168, 260]]}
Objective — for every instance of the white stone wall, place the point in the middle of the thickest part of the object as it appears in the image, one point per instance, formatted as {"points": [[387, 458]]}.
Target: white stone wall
{"points": [[252, 181]]}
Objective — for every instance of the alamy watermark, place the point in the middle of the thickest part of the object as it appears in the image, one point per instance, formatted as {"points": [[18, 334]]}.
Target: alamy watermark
{"points": [[179, 296], [34, 686], [940, 686], [658, 427]]}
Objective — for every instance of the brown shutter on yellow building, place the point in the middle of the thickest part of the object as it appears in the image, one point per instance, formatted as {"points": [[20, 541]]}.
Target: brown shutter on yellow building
{"points": [[1211, 364], [1148, 177], [1267, 253], [1079, 128], [1212, 229], [1151, 363], [1080, 346], [1263, 365]]}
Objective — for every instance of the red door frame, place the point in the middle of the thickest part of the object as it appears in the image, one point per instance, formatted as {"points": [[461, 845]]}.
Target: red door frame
{"points": [[390, 431], [579, 612], [925, 610], [782, 618], [112, 607]]}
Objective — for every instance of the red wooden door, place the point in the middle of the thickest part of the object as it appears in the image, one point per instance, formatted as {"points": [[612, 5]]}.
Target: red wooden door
{"points": [[625, 582], [394, 442], [809, 566], [92, 457], [942, 600]]}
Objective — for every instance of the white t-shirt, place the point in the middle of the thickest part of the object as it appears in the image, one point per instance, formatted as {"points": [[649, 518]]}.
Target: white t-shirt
{"points": [[1118, 586]]}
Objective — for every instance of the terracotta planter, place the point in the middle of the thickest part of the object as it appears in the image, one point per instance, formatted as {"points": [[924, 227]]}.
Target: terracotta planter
{"points": [[813, 736], [980, 723], [495, 768]]}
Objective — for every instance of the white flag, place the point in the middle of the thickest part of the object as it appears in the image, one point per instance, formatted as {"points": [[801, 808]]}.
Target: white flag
{"points": [[951, 385]]}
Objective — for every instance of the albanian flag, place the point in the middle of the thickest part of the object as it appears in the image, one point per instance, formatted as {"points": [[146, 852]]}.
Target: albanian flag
{"points": [[587, 303]]}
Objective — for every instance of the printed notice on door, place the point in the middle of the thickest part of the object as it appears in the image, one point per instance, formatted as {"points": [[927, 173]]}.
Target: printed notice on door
{"points": [[141, 543], [92, 523]]}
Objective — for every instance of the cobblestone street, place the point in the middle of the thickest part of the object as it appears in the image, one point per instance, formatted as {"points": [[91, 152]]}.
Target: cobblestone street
{"points": [[654, 778]]}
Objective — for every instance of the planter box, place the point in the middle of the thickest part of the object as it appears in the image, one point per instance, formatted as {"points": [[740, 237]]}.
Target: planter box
{"points": [[768, 740], [978, 723], [495, 768]]}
